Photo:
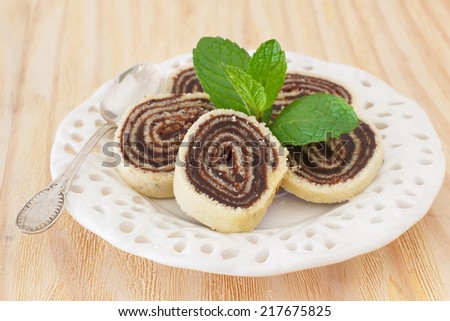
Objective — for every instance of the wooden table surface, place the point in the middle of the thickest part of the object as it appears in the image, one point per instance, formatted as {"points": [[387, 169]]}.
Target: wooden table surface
{"points": [[54, 54]]}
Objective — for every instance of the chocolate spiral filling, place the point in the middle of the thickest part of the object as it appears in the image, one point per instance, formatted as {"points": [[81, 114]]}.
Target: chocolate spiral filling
{"points": [[298, 85], [295, 86], [186, 81], [336, 160], [153, 131], [229, 160]]}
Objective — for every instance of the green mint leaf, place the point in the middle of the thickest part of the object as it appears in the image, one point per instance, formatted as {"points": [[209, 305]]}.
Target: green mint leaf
{"points": [[251, 91], [208, 57], [268, 66], [314, 118], [267, 114]]}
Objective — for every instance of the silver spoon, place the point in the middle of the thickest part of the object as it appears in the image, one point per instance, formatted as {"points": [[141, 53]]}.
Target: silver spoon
{"points": [[44, 208]]}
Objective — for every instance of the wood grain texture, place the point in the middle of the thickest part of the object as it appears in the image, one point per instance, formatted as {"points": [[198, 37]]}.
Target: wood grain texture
{"points": [[54, 54]]}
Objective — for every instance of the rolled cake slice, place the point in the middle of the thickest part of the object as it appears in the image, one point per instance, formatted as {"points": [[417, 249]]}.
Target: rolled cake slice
{"points": [[149, 136], [228, 170], [336, 170], [184, 80], [297, 85]]}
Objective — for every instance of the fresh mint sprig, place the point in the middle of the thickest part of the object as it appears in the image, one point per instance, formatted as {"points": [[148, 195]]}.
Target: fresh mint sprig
{"points": [[234, 80]]}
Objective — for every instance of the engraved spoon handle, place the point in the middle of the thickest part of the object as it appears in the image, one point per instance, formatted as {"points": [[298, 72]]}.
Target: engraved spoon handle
{"points": [[66, 177], [44, 208]]}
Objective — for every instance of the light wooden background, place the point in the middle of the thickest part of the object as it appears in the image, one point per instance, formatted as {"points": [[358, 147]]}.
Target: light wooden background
{"points": [[54, 54]]}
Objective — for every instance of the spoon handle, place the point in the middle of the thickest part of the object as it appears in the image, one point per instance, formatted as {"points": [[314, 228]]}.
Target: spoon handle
{"points": [[44, 208]]}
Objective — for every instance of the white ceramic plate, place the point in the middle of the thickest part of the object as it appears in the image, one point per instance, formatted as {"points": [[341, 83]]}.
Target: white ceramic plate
{"points": [[294, 234]]}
